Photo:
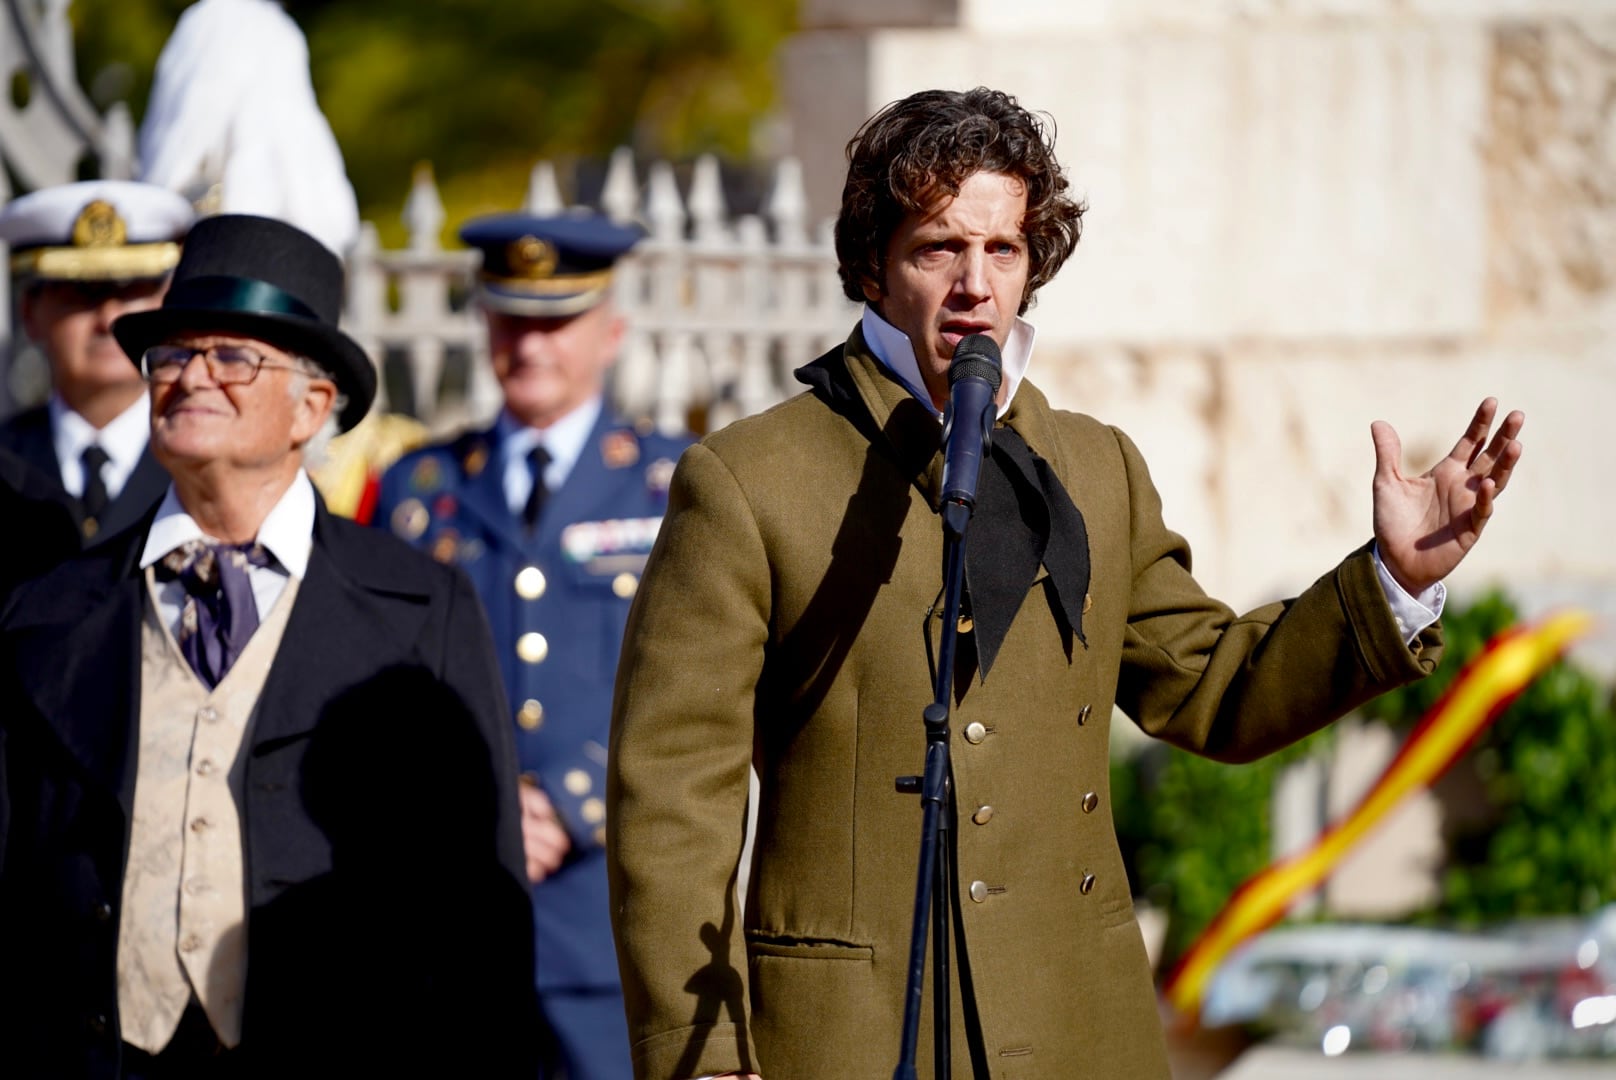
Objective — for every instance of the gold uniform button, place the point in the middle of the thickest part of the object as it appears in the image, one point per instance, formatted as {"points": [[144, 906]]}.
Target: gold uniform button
{"points": [[979, 891], [577, 782], [975, 732], [532, 647], [983, 815], [593, 811], [530, 583], [530, 715], [1090, 802], [966, 624], [600, 835], [1083, 714], [624, 584], [1087, 885]]}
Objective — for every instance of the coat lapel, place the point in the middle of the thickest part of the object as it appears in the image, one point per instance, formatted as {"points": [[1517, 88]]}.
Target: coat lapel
{"points": [[142, 491], [351, 615], [82, 668], [483, 497]]}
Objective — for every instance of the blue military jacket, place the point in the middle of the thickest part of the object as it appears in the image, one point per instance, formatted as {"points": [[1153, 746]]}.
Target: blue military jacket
{"points": [[557, 600]]}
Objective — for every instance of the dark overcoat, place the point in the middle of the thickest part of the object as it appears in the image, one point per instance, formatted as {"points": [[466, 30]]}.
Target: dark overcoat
{"points": [[570, 582], [783, 621], [386, 908]]}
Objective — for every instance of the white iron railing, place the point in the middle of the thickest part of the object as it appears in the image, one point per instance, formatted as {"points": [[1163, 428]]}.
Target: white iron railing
{"points": [[720, 310]]}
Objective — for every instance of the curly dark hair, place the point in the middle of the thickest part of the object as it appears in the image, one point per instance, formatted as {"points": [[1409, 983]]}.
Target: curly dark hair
{"points": [[925, 146]]}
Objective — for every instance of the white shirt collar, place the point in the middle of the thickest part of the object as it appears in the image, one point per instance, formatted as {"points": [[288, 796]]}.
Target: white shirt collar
{"points": [[565, 440], [891, 346], [124, 440], [287, 533]]}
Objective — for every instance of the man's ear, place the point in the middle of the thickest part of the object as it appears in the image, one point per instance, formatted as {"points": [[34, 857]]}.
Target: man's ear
{"points": [[313, 406]]}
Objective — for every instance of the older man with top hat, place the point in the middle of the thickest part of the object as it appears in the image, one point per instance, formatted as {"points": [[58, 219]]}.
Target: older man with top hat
{"points": [[85, 254], [552, 511], [258, 806]]}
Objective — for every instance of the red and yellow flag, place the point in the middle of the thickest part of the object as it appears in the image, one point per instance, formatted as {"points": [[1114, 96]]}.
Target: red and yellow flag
{"points": [[1504, 668]]}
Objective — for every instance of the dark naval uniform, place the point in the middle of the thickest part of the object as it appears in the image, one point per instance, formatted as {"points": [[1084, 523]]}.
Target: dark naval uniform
{"points": [[557, 599], [28, 435]]}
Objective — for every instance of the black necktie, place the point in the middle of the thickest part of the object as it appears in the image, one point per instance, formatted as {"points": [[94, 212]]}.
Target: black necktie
{"points": [[94, 499], [537, 459]]}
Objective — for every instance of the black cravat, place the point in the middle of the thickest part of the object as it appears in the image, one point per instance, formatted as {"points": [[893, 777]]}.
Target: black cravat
{"points": [[1024, 518], [537, 459], [94, 499]]}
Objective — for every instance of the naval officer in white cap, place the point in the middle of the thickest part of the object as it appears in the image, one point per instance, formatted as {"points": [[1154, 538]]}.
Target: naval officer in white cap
{"points": [[84, 254]]}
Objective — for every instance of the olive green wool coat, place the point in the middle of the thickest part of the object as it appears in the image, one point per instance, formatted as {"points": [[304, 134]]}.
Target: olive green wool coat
{"points": [[782, 620]]}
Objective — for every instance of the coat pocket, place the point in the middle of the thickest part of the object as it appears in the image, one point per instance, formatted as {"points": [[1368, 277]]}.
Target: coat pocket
{"points": [[816, 1008]]}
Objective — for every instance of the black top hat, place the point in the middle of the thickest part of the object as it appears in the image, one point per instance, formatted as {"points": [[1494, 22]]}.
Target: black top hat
{"points": [[267, 280]]}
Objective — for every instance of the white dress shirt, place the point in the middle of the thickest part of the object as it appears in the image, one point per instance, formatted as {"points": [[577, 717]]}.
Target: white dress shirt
{"points": [[891, 346], [287, 534], [564, 440], [124, 440]]}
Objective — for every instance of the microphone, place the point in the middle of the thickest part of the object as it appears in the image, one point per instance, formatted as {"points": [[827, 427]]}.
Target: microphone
{"points": [[973, 382]]}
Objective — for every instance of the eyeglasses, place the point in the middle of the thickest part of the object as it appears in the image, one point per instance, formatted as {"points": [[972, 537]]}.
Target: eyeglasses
{"points": [[229, 365]]}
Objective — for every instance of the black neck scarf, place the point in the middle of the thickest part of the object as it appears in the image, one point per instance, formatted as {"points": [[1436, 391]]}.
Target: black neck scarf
{"points": [[1024, 519]]}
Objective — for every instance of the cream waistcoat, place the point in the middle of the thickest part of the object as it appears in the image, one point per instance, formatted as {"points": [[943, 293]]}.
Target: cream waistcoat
{"points": [[183, 927]]}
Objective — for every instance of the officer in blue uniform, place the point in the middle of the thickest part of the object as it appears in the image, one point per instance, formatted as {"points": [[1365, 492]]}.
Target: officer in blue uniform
{"points": [[552, 513]]}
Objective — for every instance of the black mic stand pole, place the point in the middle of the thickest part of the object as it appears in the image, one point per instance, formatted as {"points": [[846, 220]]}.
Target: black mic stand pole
{"points": [[934, 883]]}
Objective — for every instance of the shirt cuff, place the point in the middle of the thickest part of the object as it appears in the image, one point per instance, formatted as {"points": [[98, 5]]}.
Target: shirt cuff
{"points": [[1411, 613]]}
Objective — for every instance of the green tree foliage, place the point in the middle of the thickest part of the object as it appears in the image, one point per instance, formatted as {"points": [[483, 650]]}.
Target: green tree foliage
{"points": [[483, 88], [1543, 843]]}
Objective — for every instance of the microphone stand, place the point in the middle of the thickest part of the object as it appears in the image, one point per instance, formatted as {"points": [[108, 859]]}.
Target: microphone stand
{"points": [[934, 884]]}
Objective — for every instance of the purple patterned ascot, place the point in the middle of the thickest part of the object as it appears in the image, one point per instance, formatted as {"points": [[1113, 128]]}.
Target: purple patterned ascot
{"points": [[219, 614]]}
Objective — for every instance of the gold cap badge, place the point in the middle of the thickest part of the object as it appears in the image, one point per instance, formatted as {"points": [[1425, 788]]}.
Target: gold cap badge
{"points": [[98, 225]]}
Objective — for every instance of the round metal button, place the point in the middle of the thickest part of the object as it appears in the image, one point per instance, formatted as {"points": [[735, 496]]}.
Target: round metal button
{"points": [[532, 647], [1087, 885], [624, 584], [975, 732], [983, 815], [198, 824], [979, 891], [102, 912], [207, 714], [577, 782], [530, 715], [204, 767], [966, 624], [592, 810], [1090, 802], [530, 583], [1083, 714], [190, 943]]}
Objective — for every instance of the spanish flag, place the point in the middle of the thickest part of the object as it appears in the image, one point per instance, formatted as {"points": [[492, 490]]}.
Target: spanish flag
{"points": [[1504, 668]]}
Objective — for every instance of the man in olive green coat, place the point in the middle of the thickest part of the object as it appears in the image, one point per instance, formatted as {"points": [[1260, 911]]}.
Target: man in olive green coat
{"points": [[786, 620]]}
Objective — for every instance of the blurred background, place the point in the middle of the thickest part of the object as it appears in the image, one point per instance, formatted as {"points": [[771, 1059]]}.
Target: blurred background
{"points": [[1305, 215]]}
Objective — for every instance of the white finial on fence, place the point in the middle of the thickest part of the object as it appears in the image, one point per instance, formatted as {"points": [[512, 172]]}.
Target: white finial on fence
{"points": [[118, 143], [621, 194], [423, 210], [543, 193], [788, 204], [707, 209], [663, 207]]}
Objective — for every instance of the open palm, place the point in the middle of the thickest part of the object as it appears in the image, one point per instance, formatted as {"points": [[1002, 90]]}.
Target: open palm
{"points": [[1424, 525]]}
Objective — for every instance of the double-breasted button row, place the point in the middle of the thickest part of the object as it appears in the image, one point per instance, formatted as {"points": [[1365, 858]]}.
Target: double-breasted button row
{"points": [[975, 732]]}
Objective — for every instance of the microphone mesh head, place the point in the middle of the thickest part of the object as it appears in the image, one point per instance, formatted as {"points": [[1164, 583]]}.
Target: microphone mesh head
{"points": [[977, 356]]}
